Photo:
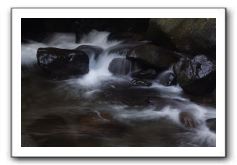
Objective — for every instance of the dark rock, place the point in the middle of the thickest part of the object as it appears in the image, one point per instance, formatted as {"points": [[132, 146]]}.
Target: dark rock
{"points": [[187, 119], [193, 35], [145, 74], [120, 66], [139, 82], [90, 50], [196, 76], [167, 78], [207, 100], [122, 50], [62, 63], [153, 56], [211, 124]]}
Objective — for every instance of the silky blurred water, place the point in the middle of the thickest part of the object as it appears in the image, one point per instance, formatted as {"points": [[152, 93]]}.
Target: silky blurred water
{"points": [[100, 109]]}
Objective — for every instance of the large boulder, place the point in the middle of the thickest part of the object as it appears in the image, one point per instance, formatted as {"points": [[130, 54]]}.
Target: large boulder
{"points": [[192, 35], [62, 63], [120, 66], [153, 56], [196, 76]]}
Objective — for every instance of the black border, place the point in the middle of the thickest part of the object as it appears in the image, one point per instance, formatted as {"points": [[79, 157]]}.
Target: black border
{"points": [[227, 78]]}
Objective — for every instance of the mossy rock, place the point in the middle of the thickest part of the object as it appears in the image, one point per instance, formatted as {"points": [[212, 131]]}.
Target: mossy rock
{"points": [[189, 35]]}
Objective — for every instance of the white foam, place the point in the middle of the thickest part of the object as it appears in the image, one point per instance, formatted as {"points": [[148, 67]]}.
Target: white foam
{"points": [[198, 137], [58, 40], [201, 135], [98, 71], [98, 38], [28, 53]]}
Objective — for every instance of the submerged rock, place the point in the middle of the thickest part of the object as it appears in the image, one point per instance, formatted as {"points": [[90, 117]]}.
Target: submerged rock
{"points": [[120, 66], [139, 82], [193, 35], [153, 56], [196, 76], [211, 124], [62, 63], [187, 119], [90, 50]]}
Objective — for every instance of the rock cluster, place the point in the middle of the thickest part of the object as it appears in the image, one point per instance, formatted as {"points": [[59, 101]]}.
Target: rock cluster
{"points": [[185, 47]]}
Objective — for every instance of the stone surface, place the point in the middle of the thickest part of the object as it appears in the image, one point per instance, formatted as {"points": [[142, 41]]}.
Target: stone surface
{"points": [[187, 119], [196, 76], [153, 56], [62, 63], [193, 36], [139, 82]]}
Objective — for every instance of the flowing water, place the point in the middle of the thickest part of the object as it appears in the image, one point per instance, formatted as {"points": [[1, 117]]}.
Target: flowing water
{"points": [[101, 109]]}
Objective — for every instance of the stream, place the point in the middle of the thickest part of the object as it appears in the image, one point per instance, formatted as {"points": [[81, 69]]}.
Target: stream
{"points": [[103, 109]]}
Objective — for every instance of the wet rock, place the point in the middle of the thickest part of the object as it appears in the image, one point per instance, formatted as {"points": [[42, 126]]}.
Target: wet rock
{"points": [[153, 56], [187, 119], [120, 66], [196, 76], [211, 124], [208, 99], [145, 74], [62, 63], [167, 78], [90, 50], [120, 50], [139, 82], [193, 36]]}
